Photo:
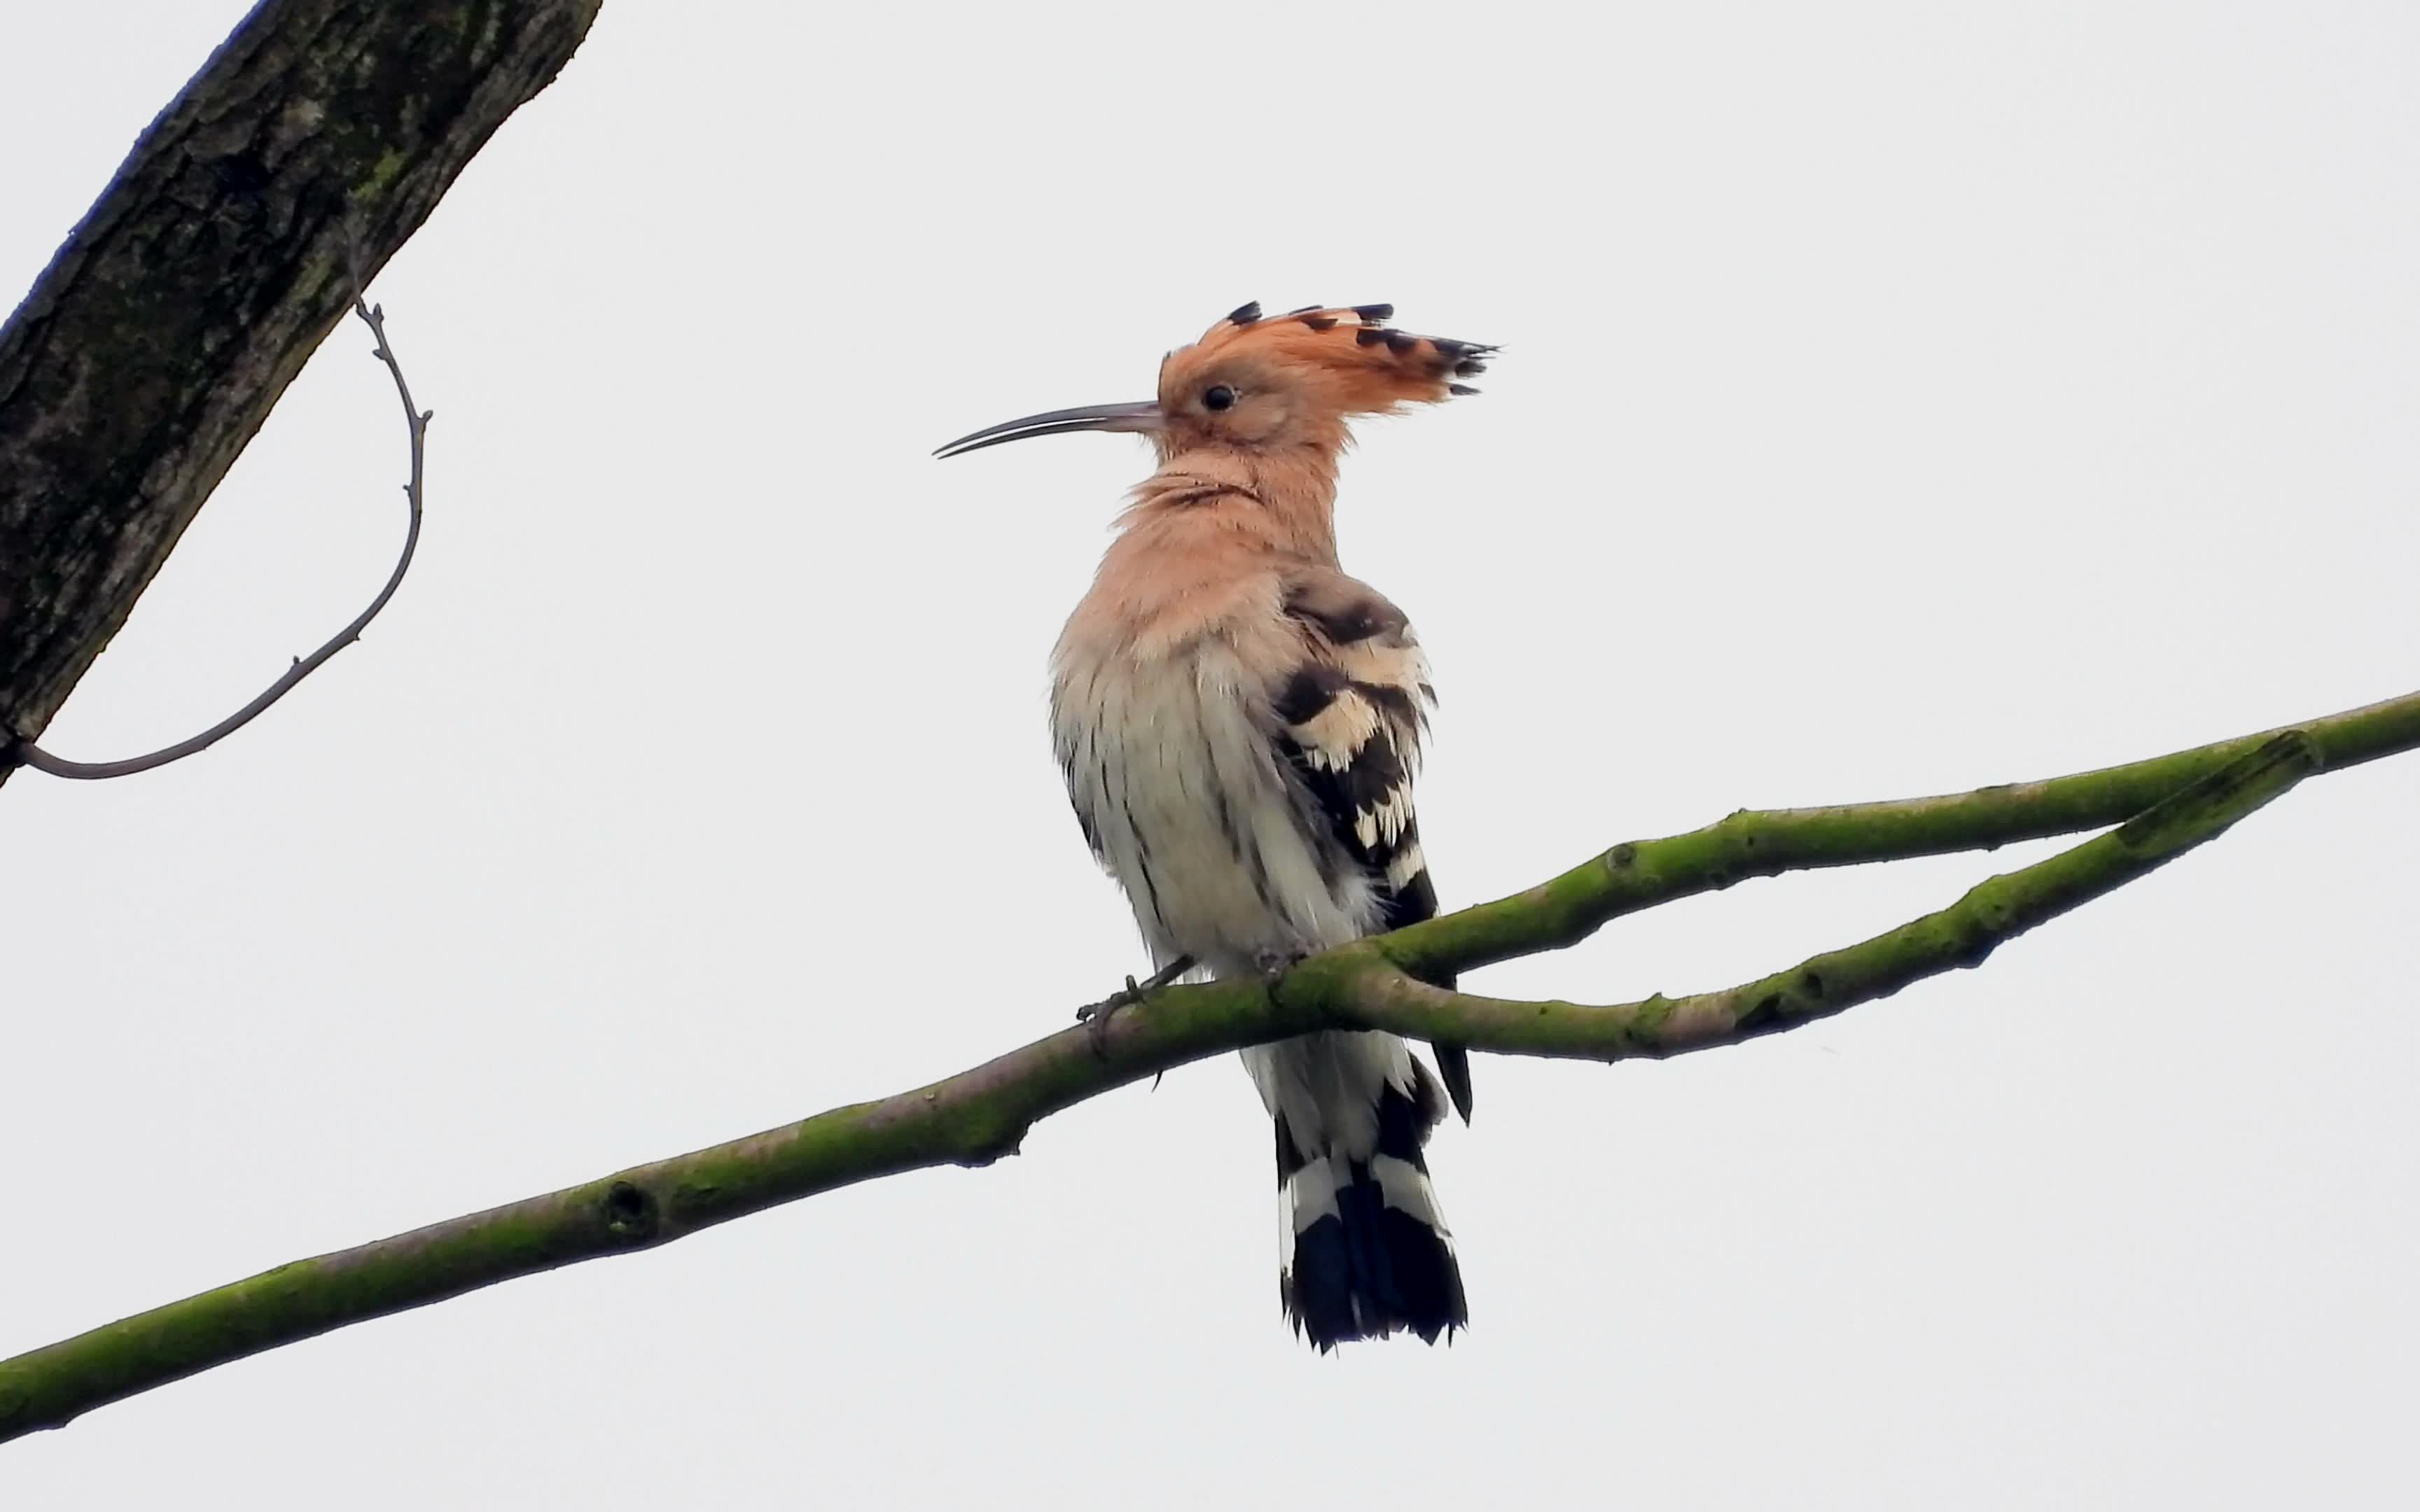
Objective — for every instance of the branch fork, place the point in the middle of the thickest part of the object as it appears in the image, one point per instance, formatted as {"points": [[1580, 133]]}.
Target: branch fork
{"points": [[2160, 810], [15, 750]]}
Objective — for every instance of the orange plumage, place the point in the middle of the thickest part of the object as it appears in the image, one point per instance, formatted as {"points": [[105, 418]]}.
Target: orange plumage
{"points": [[1300, 376]]}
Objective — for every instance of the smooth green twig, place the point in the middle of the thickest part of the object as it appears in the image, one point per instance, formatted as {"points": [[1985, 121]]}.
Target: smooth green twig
{"points": [[1641, 874], [1962, 935], [2178, 802]]}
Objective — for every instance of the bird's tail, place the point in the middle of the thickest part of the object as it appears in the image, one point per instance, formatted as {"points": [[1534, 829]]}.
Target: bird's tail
{"points": [[1367, 1251]]}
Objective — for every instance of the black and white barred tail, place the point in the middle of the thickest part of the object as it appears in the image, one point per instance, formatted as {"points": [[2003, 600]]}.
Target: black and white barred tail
{"points": [[1367, 1251]]}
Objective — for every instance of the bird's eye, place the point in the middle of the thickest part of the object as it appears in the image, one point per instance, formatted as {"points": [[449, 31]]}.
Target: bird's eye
{"points": [[1217, 396]]}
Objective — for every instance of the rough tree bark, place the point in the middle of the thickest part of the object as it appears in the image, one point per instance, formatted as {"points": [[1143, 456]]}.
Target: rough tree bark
{"points": [[157, 341]]}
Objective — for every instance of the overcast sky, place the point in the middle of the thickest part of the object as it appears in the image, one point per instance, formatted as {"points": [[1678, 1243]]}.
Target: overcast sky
{"points": [[1894, 399]]}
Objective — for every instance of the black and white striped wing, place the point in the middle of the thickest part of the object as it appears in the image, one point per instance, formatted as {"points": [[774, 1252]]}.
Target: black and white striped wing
{"points": [[1351, 718]]}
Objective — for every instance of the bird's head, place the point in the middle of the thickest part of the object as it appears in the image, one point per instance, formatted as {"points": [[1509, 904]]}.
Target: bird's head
{"points": [[1271, 384]]}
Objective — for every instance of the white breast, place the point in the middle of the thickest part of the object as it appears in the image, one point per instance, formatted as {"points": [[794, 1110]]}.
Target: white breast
{"points": [[1188, 803]]}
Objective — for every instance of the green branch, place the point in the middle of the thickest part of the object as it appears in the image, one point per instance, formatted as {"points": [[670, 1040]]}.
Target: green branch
{"points": [[1962, 935], [977, 1116], [1567, 909]]}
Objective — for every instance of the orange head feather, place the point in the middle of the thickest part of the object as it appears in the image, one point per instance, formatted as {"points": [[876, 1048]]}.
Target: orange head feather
{"points": [[1273, 383], [1295, 379]]}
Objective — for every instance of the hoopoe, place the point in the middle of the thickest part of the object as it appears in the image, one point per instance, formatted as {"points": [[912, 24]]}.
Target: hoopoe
{"points": [[1239, 723]]}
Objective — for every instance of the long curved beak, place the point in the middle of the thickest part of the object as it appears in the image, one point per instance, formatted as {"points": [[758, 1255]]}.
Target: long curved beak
{"points": [[1142, 416]]}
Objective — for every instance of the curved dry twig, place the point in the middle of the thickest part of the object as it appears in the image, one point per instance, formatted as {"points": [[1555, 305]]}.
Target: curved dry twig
{"points": [[977, 1116], [26, 754]]}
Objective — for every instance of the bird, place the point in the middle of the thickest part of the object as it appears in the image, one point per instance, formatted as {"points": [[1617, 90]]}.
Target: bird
{"points": [[1239, 724]]}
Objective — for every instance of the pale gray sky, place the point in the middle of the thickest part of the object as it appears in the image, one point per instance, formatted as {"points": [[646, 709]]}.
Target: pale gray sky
{"points": [[1894, 399]]}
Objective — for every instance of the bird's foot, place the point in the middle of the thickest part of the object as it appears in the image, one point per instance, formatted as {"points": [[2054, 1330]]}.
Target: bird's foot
{"points": [[1274, 964], [1096, 1015]]}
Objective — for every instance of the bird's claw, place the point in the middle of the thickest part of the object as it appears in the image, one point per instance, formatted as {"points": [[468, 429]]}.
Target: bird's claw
{"points": [[1095, 1016], [1274, 964]]}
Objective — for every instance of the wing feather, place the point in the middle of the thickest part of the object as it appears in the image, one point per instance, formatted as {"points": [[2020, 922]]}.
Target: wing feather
{"points": [[1350, 718]]}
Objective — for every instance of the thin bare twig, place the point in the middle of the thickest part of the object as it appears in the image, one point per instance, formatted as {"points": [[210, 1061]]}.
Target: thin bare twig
{"points": [[25, 753]]}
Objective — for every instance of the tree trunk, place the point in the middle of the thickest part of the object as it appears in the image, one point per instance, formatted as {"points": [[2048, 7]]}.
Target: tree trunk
{"points": [[155, 343]]}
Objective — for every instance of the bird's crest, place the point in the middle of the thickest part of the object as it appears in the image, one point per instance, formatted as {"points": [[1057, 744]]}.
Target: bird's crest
{"points": [[1371, 365], [1300, 376]]}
